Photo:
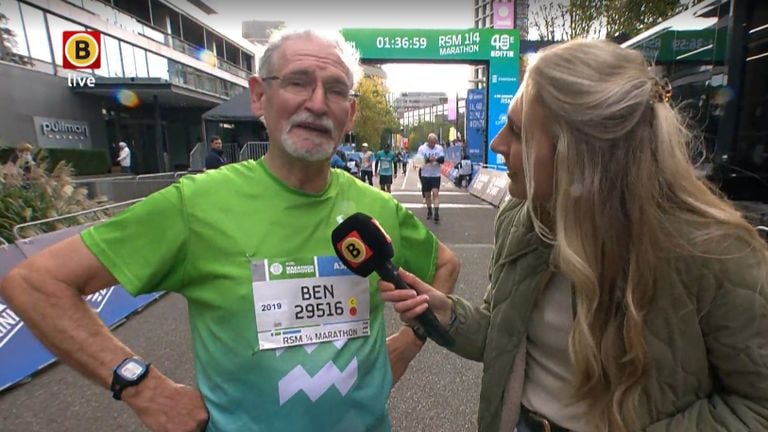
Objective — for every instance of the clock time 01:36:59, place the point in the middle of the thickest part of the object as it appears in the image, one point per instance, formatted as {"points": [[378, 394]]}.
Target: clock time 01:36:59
{"points": [[401, 42]]}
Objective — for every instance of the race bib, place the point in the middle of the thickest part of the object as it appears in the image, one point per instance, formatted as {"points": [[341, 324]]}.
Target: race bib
{"points": [[385, 164], [308, 300]]}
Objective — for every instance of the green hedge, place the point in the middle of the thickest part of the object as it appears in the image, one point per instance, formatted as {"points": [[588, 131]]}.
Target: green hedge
{"points": [[83, 162]]}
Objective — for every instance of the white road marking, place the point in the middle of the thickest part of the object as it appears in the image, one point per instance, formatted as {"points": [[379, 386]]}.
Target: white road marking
{"points": [[449, 206], [442, 194]]}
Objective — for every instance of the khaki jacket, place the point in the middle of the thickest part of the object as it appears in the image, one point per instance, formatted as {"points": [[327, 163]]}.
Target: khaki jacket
{"points": [[707, 334]]}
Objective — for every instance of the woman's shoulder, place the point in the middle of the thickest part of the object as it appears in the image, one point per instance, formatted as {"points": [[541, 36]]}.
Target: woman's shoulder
{"points": [[723, 265], [513, 213]]}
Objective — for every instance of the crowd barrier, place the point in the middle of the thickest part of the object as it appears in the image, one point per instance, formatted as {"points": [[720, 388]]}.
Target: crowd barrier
{"points": [[21, 354], [490, 185], [125, 188]]}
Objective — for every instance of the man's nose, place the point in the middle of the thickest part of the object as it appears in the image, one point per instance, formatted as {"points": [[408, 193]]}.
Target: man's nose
{"points": [[317, 102]]}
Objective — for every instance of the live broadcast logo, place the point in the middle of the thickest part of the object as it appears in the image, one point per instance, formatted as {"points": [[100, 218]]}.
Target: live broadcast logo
{"points": [[80, 81], [82, 50]]}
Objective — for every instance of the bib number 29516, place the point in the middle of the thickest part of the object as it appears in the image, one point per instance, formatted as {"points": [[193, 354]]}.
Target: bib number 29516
{"points": [[318, 310]]}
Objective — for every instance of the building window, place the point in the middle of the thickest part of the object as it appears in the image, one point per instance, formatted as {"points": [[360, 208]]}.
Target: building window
{"points": [[139, 9], [102, 10], [157, 65], [141, 62], [14, 46], [129, 61], [163, 17], [113, 56], [193, 32], [37, 33], [232, 53], [57, 27]]}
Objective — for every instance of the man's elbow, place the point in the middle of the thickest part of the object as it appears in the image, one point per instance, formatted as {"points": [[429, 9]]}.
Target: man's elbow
{"points": [[12, 286], [449, 261]]}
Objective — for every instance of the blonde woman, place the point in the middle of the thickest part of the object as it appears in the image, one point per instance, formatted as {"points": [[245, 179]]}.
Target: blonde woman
{"points": [[624, 294]]}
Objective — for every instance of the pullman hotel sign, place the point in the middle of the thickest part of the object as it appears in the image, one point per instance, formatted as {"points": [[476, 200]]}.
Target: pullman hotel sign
{"points": [[62, 133]]}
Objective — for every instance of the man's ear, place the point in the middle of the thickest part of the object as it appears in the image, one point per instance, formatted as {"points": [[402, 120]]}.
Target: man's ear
{"points": [[351, 120], [256, 86]]}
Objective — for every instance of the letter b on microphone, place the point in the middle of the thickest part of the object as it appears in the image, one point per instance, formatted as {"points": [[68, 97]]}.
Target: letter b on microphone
{"points": [[353, 249]]}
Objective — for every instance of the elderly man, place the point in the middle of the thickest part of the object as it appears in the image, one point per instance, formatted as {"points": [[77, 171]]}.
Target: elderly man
{"points": [[433, 156], [284, 338], [124, 158]]}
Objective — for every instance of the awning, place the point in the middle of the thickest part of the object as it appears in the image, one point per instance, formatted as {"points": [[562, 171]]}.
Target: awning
{"points": [[237, 108], [168, 94]]}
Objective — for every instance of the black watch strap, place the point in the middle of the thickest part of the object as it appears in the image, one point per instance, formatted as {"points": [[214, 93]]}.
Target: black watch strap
{"points": [[119, 383], [419, 332]]}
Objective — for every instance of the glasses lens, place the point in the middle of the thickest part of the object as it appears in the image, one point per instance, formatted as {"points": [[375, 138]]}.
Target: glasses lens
{"points": [[304, 86]]}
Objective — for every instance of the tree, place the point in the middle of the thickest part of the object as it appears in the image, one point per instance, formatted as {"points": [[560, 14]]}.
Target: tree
{"points": [[584, 18], [548, 21], [8, 44], [633, 17], [569, 19], [374, 114], [417, 134]]}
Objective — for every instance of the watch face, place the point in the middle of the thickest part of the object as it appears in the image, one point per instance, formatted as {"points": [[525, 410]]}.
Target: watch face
{"points": [[131, 370]]}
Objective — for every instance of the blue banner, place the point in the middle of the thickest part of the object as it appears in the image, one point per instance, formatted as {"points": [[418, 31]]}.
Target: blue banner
{"points": [[22, 355], [503, 82], [502, 86], [475, 124]]}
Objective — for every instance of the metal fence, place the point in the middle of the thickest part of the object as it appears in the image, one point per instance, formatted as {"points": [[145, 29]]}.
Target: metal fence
{"points": [[20, 231], [253, 150], [197, 158], [200, 151], [231, 151]]}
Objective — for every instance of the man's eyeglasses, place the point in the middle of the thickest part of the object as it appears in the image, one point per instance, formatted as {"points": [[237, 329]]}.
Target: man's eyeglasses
{"points": [[304, 85]]}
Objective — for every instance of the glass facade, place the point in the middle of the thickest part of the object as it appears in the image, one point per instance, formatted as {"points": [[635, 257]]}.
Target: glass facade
{"points": [[36, 33], [716, 57], [37, 39], [112, 55], [15, 47]]}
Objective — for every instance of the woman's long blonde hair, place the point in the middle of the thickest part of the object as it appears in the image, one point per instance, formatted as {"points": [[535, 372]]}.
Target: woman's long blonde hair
{"points": [[625, 195]]}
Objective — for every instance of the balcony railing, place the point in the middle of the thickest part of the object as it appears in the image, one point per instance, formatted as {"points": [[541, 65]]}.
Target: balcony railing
{"points": [[138, 26]]}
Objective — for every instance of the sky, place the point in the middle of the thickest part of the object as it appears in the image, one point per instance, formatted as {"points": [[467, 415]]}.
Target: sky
{"points": [[337, 14]]}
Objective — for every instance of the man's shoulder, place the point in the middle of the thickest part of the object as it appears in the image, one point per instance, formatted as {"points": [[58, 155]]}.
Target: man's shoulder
{"points": [[222, 179]]}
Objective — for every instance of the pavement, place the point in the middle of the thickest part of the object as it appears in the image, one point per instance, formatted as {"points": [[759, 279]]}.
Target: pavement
{"points": [[439, 392]]}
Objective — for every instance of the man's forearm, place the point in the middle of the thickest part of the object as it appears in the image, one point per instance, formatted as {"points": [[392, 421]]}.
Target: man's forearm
{"points": [[59, 317]]}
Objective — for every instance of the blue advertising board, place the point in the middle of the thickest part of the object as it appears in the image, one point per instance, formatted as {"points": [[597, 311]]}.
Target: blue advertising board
{"points": [[475, 124], [503, 82], [21, 354]]}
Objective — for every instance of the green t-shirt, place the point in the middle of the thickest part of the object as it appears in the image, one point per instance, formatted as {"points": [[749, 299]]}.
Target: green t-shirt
{"points": [[200, 238], [386, 161]]}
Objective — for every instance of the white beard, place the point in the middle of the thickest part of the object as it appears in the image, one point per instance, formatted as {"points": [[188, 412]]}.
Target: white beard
{"points": [[321, 149]]}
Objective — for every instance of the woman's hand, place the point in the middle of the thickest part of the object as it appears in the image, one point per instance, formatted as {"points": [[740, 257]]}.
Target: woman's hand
{"points": [[410, 303]]}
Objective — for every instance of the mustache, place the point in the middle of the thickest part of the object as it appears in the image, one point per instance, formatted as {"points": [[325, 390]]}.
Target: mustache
{"points": [[305, 117]]}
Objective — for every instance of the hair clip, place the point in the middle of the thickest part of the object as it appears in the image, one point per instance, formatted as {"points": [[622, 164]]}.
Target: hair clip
{"points": [[661, 90]]}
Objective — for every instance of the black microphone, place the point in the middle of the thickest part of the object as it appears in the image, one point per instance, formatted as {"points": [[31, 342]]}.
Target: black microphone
{"points": [[364, 247]]}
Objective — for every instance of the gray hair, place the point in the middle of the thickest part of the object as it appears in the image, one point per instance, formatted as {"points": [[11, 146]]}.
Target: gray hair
{"points": [[348, 54]]}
